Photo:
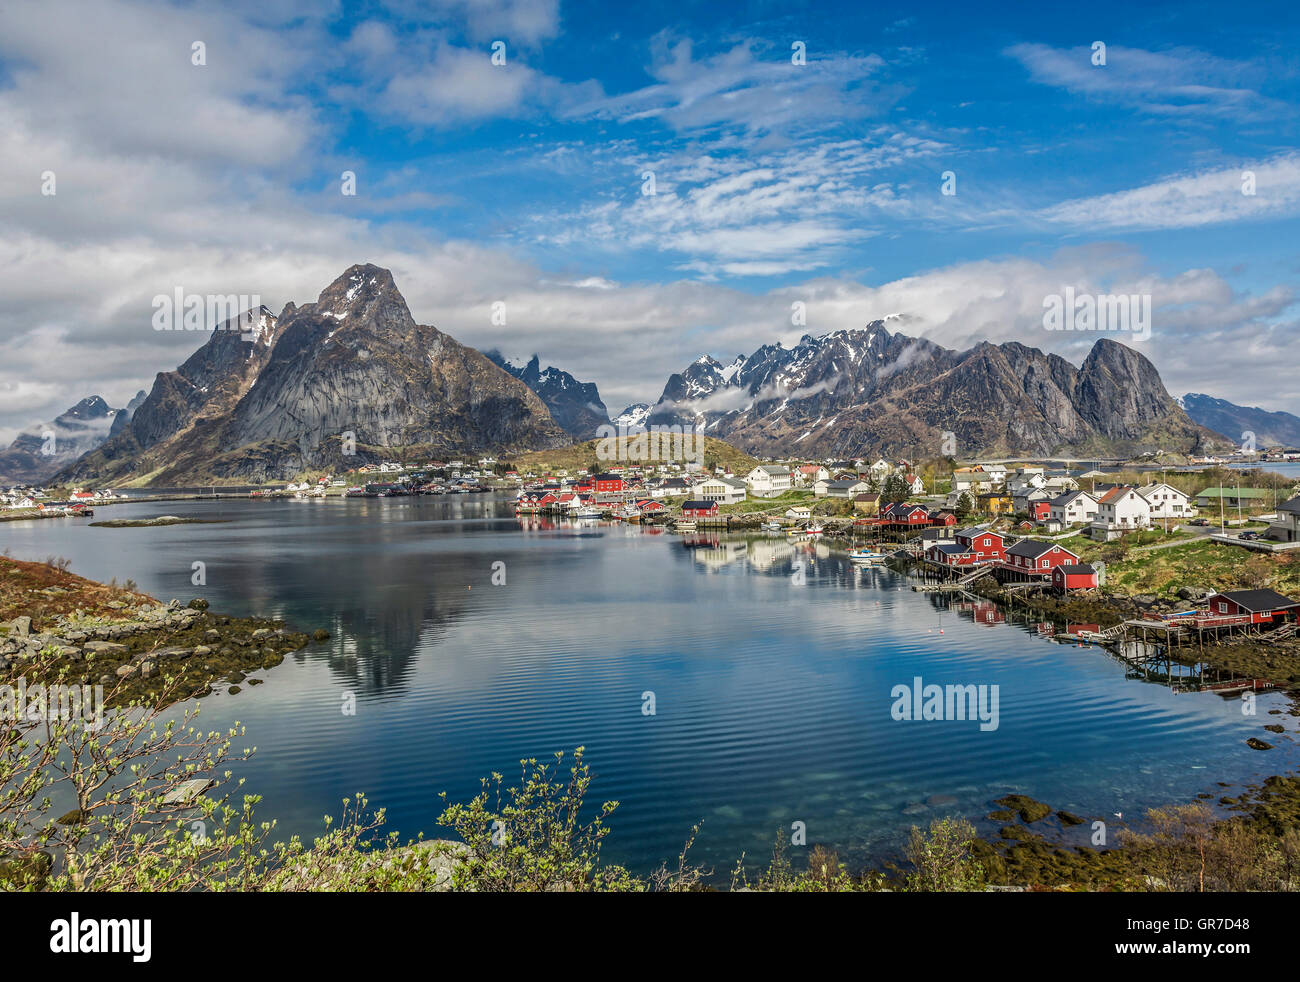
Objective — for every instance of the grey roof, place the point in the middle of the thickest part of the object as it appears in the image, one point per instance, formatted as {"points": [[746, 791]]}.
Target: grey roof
{"points": [[1061, 500], [1258, 600], [950, 549], [1031, 548]]}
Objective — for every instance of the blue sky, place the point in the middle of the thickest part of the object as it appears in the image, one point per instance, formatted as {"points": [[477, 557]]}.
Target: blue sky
{"points": [[775, 182]]}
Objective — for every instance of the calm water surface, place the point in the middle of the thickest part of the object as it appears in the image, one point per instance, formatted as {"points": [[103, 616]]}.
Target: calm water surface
{"points": [[772, 697]]}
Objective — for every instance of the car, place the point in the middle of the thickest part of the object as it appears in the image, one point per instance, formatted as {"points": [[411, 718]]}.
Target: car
{"points": [[1249, 535], [1201, 522]]}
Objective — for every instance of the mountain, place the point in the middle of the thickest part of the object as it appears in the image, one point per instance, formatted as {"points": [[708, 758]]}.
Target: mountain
{"points": [[122, 418], [633, 418], [575, 405], [270, 397], [873, 391], [1234, 422], [37, 455]]}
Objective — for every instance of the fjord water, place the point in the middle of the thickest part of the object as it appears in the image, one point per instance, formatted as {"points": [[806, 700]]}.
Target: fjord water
{"points": [[772, 696]]}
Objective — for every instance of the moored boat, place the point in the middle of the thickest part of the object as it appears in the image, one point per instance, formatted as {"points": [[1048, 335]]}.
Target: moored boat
{"points": [[867, 556]]}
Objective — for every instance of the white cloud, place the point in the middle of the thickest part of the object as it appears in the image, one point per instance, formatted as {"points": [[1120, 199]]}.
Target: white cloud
{"points": [[751, 87], [1176, 82], [1186, 201], [795, 209]]}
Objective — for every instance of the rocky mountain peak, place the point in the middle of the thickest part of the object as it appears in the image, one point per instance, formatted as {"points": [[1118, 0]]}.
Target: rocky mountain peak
{"points": [[364, 292], [576, 406], [91, 407]]}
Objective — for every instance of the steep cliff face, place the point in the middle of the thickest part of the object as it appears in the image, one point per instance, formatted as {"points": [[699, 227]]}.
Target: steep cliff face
{"points": [[575, 406], [351, 370], [1120, 393], [36, 455], [876, 391], [204, 389]]}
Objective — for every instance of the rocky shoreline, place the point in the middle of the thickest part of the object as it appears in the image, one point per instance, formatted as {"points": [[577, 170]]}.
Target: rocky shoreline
{"points": [[152, 652]]}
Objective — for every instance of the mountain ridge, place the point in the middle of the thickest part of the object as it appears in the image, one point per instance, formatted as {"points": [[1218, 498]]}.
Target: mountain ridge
{"points": [[345, 380], [870, 391], [32, 459], [1236, 423]]}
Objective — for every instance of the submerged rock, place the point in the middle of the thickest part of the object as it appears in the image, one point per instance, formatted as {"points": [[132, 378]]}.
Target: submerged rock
{"points": [[1029, 809]]}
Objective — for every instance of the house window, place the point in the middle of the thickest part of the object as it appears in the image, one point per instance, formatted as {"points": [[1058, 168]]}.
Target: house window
{"points": [[1223, 607], [988, 542], [1046, 564]]}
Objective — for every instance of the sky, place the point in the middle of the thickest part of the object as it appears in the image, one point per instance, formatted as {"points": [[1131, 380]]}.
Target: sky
{"points": [[797, 153]]}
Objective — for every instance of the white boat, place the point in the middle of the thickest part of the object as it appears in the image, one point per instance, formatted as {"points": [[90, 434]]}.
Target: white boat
{"points": [[686, 526], [772, 526], [585, 511], [867, 556]]}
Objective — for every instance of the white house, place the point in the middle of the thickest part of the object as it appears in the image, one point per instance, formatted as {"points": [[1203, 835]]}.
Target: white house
{"points": [[840, 489], [997, 472], [1072, 507], [1060, 484], [1022, 484], [768, 480], [881, 469], [1122, 508], [813, 473], [972, 479], [1167, 502], [1286, 526], [723, 490]]}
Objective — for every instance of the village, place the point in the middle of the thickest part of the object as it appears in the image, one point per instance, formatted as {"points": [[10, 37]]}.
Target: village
{"points": [[1026, 527], [1019, 531]]}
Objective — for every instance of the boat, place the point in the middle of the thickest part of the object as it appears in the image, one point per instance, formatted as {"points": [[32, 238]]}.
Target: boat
{"points": [[686, 526], [772, 526], [867, 556], [585, 511], [814, 530]]}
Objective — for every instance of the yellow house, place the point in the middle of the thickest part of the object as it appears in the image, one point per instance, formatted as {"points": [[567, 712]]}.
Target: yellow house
{"points": [[995, 504]]}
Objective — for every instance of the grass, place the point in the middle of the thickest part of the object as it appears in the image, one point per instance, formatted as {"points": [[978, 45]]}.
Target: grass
{"points": [[45, 590], [1207, 565]]}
